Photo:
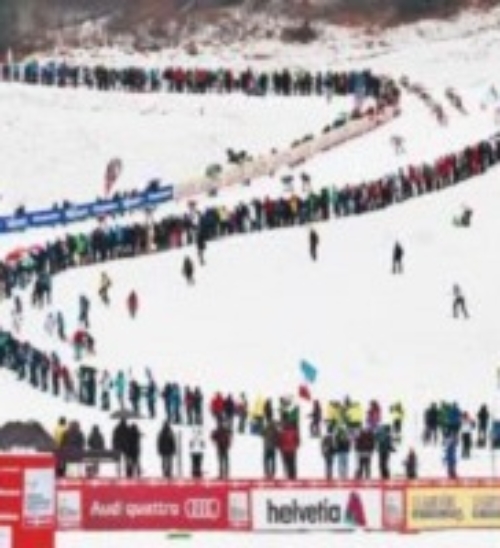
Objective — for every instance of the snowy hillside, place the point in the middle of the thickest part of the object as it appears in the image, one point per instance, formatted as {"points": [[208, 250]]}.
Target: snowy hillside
{"points": [[260, 305]]}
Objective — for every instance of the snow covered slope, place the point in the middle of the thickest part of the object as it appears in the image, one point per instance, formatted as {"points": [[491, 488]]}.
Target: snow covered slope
{"points": [[260, 305]]}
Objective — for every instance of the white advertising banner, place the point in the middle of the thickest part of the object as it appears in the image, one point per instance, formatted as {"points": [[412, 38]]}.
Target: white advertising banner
{"points": [[5, 537], [39, 495], [69, 509], [316, 509]]}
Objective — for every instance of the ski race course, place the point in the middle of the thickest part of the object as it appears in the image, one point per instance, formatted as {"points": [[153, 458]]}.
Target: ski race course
{"points": [[260, 306]]}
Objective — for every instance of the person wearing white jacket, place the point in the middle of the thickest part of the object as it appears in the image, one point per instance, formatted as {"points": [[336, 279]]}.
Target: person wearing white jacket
{"points": [[197, 451]]}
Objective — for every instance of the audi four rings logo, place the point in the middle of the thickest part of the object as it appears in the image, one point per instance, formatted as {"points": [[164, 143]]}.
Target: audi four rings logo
{"points": [[208, 509]]}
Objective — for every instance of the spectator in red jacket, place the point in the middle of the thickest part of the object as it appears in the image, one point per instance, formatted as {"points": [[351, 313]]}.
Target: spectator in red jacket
{"points": [[132, 304], [217, 407], [288, 442]]}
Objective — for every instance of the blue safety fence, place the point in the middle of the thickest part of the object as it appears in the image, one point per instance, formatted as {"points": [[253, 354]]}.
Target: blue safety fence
{"points": [[44, 218]]}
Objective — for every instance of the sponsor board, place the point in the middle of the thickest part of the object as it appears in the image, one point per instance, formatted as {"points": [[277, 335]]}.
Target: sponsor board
{"points": [[394, 509], [39, 496], [69, 509], [5, 536], [452, 508], [316, 509], [163, 506]]}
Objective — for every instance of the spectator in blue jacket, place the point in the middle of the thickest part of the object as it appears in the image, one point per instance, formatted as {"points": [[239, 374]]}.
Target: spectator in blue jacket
{"points": [[450, 457]]}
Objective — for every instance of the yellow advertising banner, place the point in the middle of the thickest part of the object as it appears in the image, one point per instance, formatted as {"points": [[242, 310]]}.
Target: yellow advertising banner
{"points": [[452, 508]]}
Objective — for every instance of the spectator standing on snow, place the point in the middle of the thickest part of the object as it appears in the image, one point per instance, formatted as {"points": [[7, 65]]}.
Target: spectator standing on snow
{"points": [[483, 421], [270, 436], [105, 384], [60, 432], [397, 416], [132, 304], [242, 413], [450, 457], [466, 430], [313, 244], [134, 396], [398, 144], [316, 417], [411, 465], [197, 451], [166, 449], [188, 270], [201, 246], [289, 442], [222, 436], [95, 440], [120, 439], [384, 449], [431, 421], [61, 326], [343, 449], [365, 445], [133, 452], [104, 287], [459, 304], [397, 258], [120, 385], [84, 309], [151, 396], [328, 451]]}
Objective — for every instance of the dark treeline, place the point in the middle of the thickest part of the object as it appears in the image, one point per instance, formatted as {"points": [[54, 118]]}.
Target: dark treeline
{"points": [[26, 22]]}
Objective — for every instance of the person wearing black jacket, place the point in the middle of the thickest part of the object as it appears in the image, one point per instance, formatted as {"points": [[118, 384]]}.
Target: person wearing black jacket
{"points": [[365, 444], [222, 438], [133, 452], [313, 244], [483, 421], [120, 438], [270, 435], [201, 245], [431, 424], [198, 406], [188, 270], [397, 259], [73, 440], [95, 441], [134, 396], [166, 448], [384, 448], [328, 449]]}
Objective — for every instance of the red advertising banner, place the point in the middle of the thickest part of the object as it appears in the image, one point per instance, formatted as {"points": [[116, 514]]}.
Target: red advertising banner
{"points": [[153, 506]]}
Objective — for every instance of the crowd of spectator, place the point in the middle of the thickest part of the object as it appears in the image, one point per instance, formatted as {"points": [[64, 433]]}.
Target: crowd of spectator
{"points": [[176, 79], [344, 428], [112, 241], [350, 438]]}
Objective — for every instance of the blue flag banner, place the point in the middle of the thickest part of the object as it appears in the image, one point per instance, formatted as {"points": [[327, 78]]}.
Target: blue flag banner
{"points": [[309, 371]]}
